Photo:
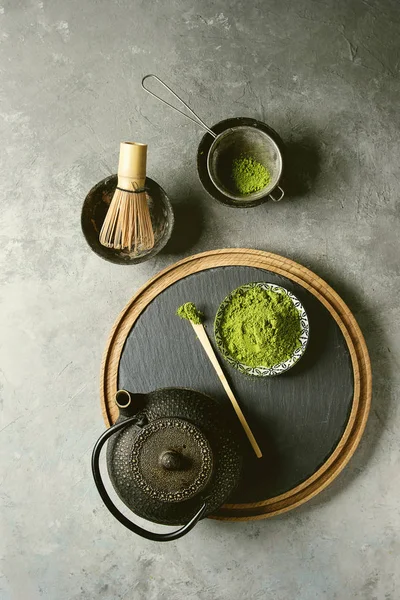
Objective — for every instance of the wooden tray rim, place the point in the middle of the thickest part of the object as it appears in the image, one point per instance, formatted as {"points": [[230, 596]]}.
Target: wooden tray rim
{"points": [[325, 294]]}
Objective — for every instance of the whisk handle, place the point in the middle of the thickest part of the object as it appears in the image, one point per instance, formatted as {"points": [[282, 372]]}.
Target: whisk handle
{"points": [[195, 119]]}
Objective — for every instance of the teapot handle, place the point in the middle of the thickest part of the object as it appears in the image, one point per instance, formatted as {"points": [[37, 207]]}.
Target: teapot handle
{"points": [[156, 537]]}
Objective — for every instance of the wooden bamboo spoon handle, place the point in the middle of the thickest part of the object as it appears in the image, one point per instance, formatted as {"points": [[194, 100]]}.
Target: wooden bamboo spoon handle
{"points": [[205, 342]]}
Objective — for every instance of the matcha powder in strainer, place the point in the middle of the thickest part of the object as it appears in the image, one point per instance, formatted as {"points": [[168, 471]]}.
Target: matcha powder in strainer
{"points": [[260, 328], [249, 175]]}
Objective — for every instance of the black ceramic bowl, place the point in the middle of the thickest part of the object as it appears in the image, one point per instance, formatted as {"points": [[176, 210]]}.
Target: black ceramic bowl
{"points": [[95, 209], [202, 155]]}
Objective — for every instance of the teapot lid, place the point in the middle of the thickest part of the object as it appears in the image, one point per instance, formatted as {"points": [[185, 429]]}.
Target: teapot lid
{"points": [[171, 460]]}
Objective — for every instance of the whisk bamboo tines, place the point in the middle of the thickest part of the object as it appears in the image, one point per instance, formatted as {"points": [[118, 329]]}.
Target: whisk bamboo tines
{"points": [[128, 223]]}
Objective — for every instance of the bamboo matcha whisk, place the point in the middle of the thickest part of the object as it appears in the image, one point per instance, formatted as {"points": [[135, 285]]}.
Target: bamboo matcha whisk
{"points": [[128, 223]]}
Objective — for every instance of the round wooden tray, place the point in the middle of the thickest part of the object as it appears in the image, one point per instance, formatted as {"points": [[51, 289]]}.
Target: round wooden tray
{"points": [[344, 380]]}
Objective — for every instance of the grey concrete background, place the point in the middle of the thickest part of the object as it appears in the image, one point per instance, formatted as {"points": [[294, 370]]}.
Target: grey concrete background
{"points": [[326, 76]]}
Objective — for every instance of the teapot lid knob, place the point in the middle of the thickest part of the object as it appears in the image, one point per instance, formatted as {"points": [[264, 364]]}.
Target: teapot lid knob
{"points": [[172, 461]]}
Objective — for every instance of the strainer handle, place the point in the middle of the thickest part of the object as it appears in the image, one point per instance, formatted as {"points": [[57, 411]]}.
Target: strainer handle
{"points": [[196, 118], [281, 194]]}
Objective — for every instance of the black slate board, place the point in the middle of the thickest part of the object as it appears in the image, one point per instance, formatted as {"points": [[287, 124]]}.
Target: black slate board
{"points": [[297, 418]]}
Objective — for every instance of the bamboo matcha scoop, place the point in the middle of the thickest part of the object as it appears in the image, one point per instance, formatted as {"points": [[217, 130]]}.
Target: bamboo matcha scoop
{"points": [[189, 312]]}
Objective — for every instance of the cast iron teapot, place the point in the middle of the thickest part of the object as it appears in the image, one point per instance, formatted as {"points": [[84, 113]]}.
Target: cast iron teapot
{"points": [[171, 458]]}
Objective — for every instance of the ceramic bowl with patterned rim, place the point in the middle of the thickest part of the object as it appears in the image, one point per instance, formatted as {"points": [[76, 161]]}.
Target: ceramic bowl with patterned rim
{"points": [[264, 371]]}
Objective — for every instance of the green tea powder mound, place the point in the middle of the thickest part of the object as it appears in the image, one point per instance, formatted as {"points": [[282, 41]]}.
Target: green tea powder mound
{"points": [[249, 175], [260, 328], [189, 312]]}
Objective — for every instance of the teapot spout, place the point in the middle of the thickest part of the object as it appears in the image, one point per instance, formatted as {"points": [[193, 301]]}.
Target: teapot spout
{"points": [[129, 404]]}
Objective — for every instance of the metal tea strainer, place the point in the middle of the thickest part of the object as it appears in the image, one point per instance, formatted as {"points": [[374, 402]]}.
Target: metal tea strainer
{"points": [[242, 140]]}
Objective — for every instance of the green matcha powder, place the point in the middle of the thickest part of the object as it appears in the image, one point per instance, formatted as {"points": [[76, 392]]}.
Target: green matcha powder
{"points": [[260, 328], [249, 175], [189, 312]]}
